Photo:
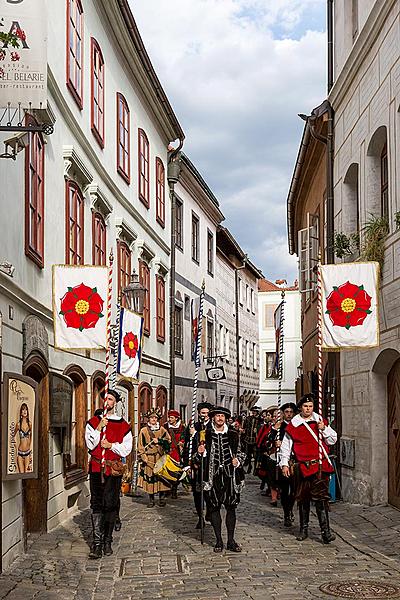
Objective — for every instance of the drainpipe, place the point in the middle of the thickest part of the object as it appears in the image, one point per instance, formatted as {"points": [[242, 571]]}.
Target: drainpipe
{"points": [[329, 27], [174, 169]]}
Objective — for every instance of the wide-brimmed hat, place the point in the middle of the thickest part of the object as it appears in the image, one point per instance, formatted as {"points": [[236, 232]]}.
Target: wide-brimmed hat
{"points": [[220, 410], [174, 413], [202, 405], [153, 411]]}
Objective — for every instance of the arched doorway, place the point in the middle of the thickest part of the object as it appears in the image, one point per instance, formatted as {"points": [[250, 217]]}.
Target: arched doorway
{"points": [[36, 491], [161, 401], [74, 451], [393, 386], [98, 383], [145, 400]]}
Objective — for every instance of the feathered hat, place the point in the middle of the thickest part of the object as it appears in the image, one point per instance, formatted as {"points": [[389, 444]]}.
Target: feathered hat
{"points": [[153, 411]]}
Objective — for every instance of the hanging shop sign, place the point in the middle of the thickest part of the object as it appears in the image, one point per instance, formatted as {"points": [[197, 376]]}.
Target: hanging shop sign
{"points": [[215, 373], [23, 54], [20, 427]]}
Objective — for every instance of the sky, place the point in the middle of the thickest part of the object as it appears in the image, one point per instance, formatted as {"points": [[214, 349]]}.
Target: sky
{"points": [[237, 73]]}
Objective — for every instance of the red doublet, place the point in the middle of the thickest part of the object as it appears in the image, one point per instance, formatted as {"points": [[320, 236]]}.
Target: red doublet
{"points": [[115, 432], [305, 448], [262, 435], [176, 434]]}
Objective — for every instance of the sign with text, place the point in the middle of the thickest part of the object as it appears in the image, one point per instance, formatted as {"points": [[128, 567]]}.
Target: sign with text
{"points": [[215, 373], [20, 427], [23, 54]]}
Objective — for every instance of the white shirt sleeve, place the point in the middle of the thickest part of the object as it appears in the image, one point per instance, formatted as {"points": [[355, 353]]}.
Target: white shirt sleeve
{"points": [[329, 435], [285, 450], [92, 437], [125, 447]]}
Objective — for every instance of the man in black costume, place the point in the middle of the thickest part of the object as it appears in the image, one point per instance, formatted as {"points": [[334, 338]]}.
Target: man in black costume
{"points": [[252, 424], [223, 475]]}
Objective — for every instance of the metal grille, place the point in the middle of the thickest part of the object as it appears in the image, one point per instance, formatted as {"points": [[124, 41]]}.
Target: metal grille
{"points": [[361, 590]]}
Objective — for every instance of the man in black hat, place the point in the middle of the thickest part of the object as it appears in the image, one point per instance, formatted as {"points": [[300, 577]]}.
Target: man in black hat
{"points": [[286, 484], [223, 475], [203, 422], [302, 438], [113, 434], [251, 426]]}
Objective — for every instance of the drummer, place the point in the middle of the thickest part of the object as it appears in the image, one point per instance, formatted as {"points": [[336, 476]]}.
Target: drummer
{"points": [[154, 441], [176, 430]]}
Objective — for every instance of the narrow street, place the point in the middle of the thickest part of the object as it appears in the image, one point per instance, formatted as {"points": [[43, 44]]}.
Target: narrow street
{"points": [[158, 555]]}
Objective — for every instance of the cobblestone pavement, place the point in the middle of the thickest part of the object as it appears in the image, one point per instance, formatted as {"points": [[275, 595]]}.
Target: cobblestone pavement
{"points": [[158, 554]]}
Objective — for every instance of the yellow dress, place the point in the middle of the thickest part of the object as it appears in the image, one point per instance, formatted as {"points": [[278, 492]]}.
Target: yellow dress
{"points": [[149, 452]]}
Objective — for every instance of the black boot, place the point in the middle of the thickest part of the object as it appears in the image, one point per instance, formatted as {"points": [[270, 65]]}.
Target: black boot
{"points": [[304, 515], [109, 523], [97, 523], [216, 521], [118, 524], [174, 492], [287, 518], [323, 518], [161, 499], [150, 503]]}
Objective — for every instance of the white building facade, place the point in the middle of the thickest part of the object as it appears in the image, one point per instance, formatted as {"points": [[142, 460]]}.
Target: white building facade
{"points": [[366, 101], [197, 215], [269, 298], [97, 183]]}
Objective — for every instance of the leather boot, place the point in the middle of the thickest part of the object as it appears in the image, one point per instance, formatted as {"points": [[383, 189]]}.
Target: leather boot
{"points": [[108, 531], [287, 519], [97, 523], [323, 518], [304, 515]]}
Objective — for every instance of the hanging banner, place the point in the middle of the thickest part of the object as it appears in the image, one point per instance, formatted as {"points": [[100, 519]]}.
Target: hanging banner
{"points": [[23, 54], [195, 320], [350, 306], [80, 307], [277, 325], [130, 344]]}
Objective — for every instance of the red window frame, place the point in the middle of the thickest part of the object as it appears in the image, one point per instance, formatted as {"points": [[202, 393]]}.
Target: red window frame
{"points": [[144, 168], [75, 50], [97, 92], [74, 224], [99, 240], [123, 138], [160, 192], [160, 287], [124, 268], [34, 199], [144, 278]]}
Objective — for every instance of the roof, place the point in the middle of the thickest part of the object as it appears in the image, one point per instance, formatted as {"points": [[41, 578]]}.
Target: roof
{"points": [[226, 239], [264, 285], [195, 173]]}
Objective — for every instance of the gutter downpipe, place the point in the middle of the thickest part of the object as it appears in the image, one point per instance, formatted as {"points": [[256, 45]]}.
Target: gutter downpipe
{"points": [[173, 173]]}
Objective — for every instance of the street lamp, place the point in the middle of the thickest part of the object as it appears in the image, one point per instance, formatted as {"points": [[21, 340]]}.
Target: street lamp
{"points": [[135, 292]]}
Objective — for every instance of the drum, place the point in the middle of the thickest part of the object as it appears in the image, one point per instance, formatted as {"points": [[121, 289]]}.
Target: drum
{"points": [[168, 470]]}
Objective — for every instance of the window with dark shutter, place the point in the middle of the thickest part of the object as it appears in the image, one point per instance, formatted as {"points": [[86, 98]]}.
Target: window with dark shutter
{"points": [[144, 170], [74, 225], [123, 138], [97, 98], [75, 50], [34, 199]]}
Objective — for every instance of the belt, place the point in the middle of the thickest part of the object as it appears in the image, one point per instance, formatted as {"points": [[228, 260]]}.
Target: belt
{"points": [[308, 463], [107, 463]]}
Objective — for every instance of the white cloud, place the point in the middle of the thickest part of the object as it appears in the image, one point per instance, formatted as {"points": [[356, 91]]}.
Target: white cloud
{"points": [[237, 72]]}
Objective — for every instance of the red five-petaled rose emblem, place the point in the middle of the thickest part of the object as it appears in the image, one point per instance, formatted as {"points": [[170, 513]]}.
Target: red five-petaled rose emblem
{"points": [[81, 307], [348, 305], [131, 344]]}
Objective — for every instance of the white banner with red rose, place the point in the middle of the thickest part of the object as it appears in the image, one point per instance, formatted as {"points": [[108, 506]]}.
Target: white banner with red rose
{"points": [[80, 307], [130, 344], [350, 306]]}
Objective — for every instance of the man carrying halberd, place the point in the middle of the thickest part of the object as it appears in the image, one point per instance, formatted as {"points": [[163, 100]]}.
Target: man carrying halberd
{"points": [[301, 437]]}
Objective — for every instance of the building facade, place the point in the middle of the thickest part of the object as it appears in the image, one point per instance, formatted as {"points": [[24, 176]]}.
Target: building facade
{"points": [[269, 298], [97, 183], [197, 215], [237, 324]]}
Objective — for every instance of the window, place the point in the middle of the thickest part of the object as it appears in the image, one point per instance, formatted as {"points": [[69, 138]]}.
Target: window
{"points": [[160, 287], [240, 292], [74, 234], [160, 192], [74, 449], [178, 331], [144, 277], [182, 412], [75, 50], [354, 18], [97, 100], [384, 183], [195, 237], [210, 340], [240, 350], [144, 161], [247, 297], [124, 268], [253, 301], [271, 372], [99, 240], [269, 312], [247, 354], [178, 224], [187, 308], [210, 253], [255, 357], [34, 199], [308, 248], [227, 345], [123, 139]]}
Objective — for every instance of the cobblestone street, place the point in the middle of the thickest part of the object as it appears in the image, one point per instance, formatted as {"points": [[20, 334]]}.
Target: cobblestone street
{"points": [[158, 554]]}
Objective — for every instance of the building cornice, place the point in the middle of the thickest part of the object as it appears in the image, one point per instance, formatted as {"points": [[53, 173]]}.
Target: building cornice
{"points": [[88, 149], [361, 47]]}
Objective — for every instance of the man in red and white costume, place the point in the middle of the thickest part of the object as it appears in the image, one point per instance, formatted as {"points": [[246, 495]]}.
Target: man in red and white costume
{"points": [[301, 438], [116, 439], [176, 430]]}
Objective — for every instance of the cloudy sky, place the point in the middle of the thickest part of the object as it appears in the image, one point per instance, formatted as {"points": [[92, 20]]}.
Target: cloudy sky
{"points": [[237, 72]]}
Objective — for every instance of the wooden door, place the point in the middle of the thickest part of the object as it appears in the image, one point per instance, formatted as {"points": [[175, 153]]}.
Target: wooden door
{"points": [[394, 435]]}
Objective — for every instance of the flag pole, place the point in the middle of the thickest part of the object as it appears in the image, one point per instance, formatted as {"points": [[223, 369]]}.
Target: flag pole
{"points": [[107, 366], [280, 349], [319, 349], [197, 364]]}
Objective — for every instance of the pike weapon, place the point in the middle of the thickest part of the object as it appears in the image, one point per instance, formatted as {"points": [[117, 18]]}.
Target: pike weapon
{"points": [[202, 439]]}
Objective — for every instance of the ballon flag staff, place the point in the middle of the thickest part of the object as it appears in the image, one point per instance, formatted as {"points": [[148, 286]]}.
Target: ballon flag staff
{"points": [[280, 348], [197, 364], [319, 348], [108, 352]]}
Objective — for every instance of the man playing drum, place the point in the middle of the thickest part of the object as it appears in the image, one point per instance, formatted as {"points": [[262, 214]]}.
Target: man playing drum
{"points": [[154, 441], [176, 430]]}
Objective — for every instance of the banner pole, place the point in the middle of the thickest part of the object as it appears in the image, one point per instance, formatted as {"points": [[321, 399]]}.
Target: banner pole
{"points": [[280, 349], [107, 365], [319, 348], [197, 363]]}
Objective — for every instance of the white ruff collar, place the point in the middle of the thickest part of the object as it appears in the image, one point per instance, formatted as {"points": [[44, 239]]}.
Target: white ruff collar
{"points": [[155, 427], [177, 424], [225, 429], [298, 419]]}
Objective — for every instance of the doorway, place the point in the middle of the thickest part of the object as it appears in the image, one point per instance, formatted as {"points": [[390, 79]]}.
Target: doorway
{"points": [[393, 387]]}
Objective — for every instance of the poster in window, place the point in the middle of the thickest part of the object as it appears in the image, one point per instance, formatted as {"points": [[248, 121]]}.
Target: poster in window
{"points": [[20, 427]]}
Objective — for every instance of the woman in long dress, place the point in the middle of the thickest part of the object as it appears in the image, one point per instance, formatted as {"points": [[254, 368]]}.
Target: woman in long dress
{"points": [[154, 441]]}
